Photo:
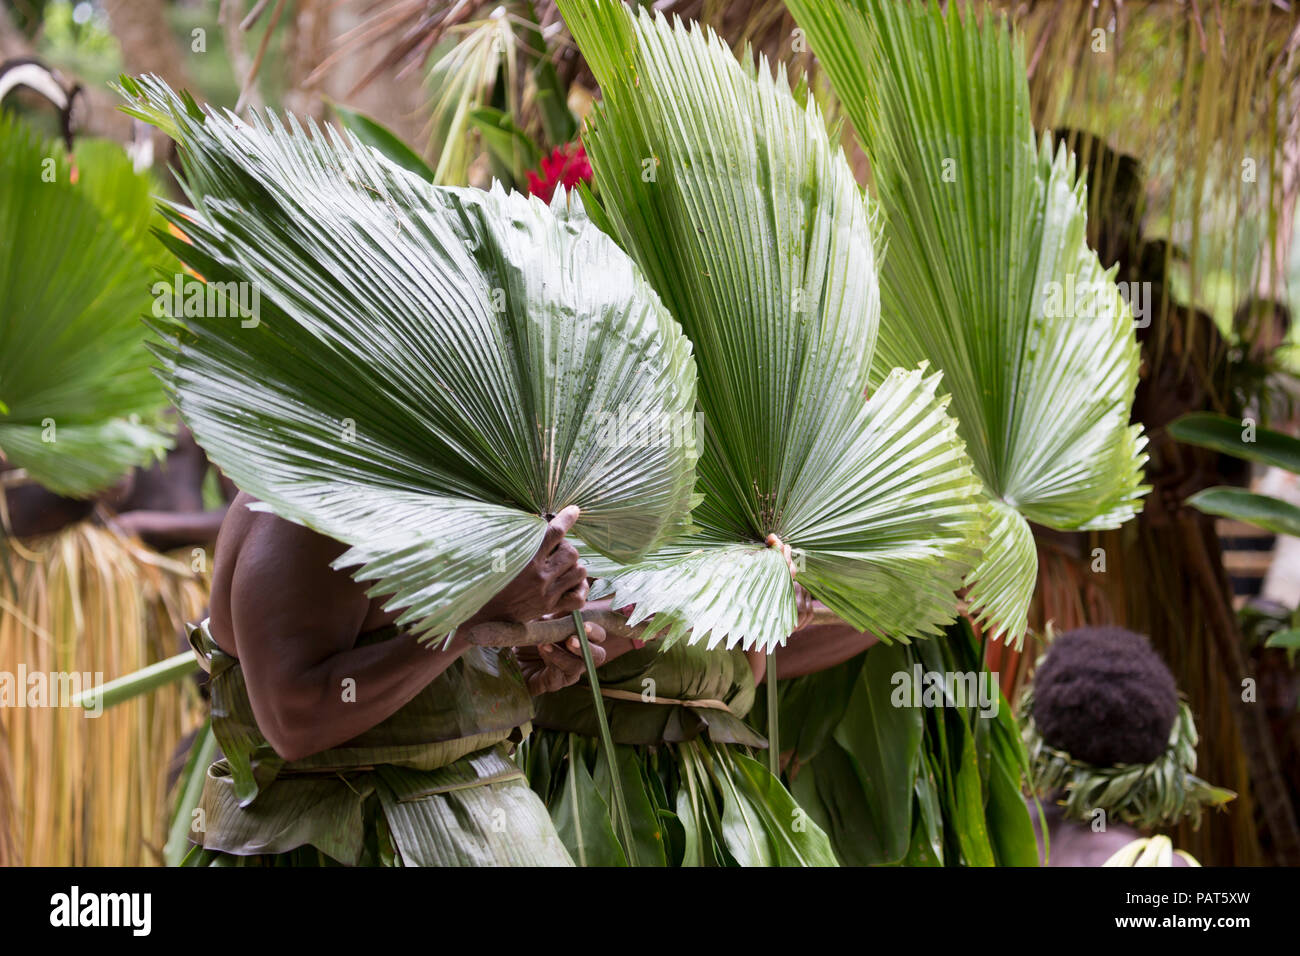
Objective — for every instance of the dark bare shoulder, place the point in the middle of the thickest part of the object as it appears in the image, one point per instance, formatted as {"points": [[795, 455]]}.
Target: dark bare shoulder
{"points": [[277, 570]]}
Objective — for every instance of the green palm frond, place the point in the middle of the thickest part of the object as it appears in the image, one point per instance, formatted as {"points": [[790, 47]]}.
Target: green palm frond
{"points": [[748, 222], [107, 176], [989, 275], [464, 79], [79, 406], [430, 369]]}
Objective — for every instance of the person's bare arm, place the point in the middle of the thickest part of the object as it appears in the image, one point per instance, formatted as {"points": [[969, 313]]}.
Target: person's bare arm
{"points": [[296, 621], [813, 647], [820, 646], [165, 530]]}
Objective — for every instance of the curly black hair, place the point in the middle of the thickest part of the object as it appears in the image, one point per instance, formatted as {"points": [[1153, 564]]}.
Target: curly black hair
{"points": [[1105, 697]]}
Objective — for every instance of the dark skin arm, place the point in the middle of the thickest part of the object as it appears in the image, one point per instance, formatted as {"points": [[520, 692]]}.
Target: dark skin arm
{"points": [[811, 648], [34, 510], [815, 647], [293, 621], [165, 530]]}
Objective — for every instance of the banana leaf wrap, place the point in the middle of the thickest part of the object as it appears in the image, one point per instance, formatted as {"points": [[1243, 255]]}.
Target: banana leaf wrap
{"points": [[642, 689], [695, 794], [432, 785]]}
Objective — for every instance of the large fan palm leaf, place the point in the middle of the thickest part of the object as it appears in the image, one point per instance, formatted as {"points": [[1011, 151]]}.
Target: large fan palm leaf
{"points": [[989, 276], [430, 369], [748, 222]]}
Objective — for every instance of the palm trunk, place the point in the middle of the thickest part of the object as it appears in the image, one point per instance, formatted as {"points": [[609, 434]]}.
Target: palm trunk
{"points": [[1255, 737]]}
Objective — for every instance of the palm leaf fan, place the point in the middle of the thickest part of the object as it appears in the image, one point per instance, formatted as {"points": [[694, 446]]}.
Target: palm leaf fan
{"points": [[428, 370], [748, 222], [989, 276], [79, 406]]}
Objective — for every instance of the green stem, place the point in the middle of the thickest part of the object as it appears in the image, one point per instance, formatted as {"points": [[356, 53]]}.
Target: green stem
{"points": [[121, 689], [191, 789], [607, 743], [773, 715]]}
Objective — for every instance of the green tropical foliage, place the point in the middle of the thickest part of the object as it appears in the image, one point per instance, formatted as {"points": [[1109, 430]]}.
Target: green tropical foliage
{"points": [[989, 276], [435, 437], [1264, 445], [492, 61], [894, 776], [374, 134], [692, 803], [79, 406], [729, 195], [1287, 640]]}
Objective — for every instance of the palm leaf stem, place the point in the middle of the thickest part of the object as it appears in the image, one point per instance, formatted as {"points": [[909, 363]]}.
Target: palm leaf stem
{"points": [[773, 723], [606, 743]]}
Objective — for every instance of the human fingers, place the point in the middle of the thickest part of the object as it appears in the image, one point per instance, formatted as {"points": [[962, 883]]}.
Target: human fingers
{"points": [[562, 558], [570, 579], [560, 525], [573, 599]]}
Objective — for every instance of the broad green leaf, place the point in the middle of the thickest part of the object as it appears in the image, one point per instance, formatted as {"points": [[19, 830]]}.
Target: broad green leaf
{"points": [[884, 742], [430, 371], [1287, 640], [927, 827], [188, 792], [728, 193], [710, 590], [968, 821], [582, 818], [506, 142], [1229, 435], [830, 789], [376, 135], [1004, 585], [1272, 514], [812, 705], [989, 276], [80, 404], [647, 831], [107, 177], [794, 838], [1010, 827]]}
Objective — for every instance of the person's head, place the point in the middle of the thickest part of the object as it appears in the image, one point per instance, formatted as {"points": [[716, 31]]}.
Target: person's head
{"points": [[1105, 697]]}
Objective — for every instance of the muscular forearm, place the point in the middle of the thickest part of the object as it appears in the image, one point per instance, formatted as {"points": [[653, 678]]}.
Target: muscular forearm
{"points": [[347, 693]]}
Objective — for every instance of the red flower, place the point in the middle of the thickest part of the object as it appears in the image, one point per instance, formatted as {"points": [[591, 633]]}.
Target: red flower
{"points": [[567, 164]]}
